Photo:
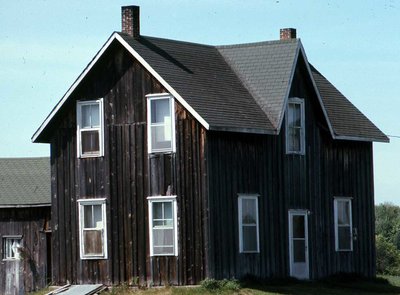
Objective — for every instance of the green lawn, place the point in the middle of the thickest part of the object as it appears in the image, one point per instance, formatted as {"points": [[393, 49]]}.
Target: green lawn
{"points": [[383, 285]]}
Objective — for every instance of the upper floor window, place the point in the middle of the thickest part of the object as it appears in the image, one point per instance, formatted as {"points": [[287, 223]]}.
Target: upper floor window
{"points": [[160, 123], [90, 128], [163, 226], [343, 224], [11, 247], [248, 224], [295, 127], [92, 228]]}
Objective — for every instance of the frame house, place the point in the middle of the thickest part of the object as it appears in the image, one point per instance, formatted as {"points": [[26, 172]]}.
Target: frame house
{"points": [[24, 224], [173, 161]]}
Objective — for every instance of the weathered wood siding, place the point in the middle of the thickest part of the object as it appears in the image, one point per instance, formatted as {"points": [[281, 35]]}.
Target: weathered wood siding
{"points": [[29, 273], [243, 163], [126, 176]]}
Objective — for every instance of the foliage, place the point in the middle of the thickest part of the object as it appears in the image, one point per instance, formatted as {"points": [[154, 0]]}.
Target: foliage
{"points": [[223, 285], [387, 257], [387, 223]]}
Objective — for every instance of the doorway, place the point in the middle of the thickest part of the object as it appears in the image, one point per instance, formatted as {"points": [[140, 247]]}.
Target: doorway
{"points": [[298, 244]]}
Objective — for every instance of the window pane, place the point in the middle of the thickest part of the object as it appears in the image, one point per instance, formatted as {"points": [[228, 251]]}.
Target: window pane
{"points": [[164, 250], [299, 248], [97, 216], [167, 210], [157, 210], [90, 142], [90, 115], [344, 233], [343, 209], [249, 214], [158, 138], [249, 238], [93, 242], [294, 139], [298, 226], [88, 218], [160, 109]]}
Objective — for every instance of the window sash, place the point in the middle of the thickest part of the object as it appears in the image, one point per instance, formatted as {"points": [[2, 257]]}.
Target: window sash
{"points": [[11, 247], [92, 230], [96, 148], [163, 238], [248, 229], [161, 134], [340, 227], [295, 126]]}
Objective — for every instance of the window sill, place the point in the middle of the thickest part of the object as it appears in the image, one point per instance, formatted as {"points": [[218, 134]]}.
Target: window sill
{"points": [[94, 258]]}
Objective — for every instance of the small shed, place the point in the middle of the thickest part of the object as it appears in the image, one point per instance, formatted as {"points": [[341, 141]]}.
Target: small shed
{"points": [[24, 224]]}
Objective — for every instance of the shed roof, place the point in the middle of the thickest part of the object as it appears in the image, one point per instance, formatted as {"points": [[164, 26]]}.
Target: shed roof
{"points": [[24, 182]]}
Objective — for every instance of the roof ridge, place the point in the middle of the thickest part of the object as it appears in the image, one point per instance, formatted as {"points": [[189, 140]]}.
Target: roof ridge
{"points": [[260, 43]]}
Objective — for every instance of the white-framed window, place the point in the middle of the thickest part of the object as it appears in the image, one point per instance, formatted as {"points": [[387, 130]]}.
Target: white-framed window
{"points": [[295, 126], [92, 228], [11, 247], [343, 224], [160, 123], [163, 226], [90, 128], [248, 224]]}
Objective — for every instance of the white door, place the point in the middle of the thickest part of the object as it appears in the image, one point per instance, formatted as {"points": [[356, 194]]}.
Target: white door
{"points": [[298, 244]]}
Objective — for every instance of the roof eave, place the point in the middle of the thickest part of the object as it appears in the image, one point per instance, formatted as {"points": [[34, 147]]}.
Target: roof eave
{"points": [[25, 205], [365, 139], [244, 130]]}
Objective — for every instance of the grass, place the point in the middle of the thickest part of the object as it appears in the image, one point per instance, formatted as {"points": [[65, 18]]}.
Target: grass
{"points": [[332, 286]]}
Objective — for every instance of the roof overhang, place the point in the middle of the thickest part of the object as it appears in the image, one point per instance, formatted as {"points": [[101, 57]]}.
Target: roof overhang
{"points": [[146, 65], [25, 205]]}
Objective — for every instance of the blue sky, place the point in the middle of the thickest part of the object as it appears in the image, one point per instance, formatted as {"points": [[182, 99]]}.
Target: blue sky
{"points": [[44, 46]]}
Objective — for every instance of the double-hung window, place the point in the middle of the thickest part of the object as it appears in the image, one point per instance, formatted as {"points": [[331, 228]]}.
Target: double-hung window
{"points": [[90, 128], [163, 226], [295, 126], [11, 247], [248, 224], [160, 123], [343, 224], [92, 228]]}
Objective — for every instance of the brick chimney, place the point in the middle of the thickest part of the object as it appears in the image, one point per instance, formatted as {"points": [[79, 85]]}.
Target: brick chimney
{"points": [[288, 33], [130, 21]]}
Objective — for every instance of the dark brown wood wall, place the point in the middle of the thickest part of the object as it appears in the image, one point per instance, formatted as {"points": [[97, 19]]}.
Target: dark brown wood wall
{"points": [[126, 176], [244, 163], [31, 224]]}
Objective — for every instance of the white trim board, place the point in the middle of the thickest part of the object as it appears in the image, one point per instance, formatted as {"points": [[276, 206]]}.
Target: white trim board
{"points": [[116, 36]]}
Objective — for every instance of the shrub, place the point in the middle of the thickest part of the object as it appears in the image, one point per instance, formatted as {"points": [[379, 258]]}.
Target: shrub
{"points": [[387, 257], [223, 285]]}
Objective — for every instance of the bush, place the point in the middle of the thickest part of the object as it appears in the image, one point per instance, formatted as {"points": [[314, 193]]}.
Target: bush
{"points": [[223, 285], [387, 257]]}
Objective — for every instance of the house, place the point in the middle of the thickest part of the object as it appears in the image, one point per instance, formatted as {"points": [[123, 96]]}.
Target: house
{"points": [[24, 224], [174, 161]]}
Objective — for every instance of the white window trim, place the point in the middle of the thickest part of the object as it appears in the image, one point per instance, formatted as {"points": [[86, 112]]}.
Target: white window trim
{"points": [[349, 200], [300, 101], [154, 199], [81, 204], [79, 105], [156, 96], [7, 237], [242, 197]]}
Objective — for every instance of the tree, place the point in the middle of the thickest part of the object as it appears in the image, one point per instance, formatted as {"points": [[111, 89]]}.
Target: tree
{"points": [[387, 223]]}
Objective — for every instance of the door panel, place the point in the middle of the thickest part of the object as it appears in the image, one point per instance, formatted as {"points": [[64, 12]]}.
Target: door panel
{"points": [[298, 244]]}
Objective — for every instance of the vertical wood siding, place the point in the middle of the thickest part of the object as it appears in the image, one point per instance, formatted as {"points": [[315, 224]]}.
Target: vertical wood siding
{"points": [[126, 176], [258, 164], [32, 270]]}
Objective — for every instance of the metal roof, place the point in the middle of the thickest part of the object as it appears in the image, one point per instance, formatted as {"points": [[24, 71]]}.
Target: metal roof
{"points": [[24, 182]]}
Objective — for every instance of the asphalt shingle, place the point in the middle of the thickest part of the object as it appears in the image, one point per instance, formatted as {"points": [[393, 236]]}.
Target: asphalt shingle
{"points": [[24, 181]]}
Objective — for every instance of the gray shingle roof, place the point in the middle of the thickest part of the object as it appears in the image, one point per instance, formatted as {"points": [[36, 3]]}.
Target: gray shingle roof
{"points": [[265, 69], [346, 120], [241, 88], [203, 78], [24, 182]]}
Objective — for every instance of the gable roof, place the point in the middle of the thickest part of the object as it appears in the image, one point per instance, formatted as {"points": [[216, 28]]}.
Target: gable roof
{"points": [[347, 121], [24, 182], [240, 88]]}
